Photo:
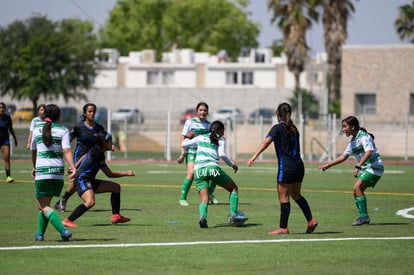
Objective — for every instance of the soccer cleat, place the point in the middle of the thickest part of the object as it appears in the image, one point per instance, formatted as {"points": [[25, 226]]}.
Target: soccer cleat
{"points": [[9, 179], [212, 199], [60, 205], [118, 218], [203, 223], [183, 203], [279, 231], [66, 235], [361, 221], [312, 224], [69, 223], [39, 238]]}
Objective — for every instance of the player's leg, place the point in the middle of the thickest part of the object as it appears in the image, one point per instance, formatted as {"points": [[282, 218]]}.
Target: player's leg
{"points": [[304, 206], [188, 181]]}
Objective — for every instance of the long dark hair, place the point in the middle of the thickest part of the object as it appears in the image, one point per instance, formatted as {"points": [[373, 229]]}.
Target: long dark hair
{"points": [[216, 129], [353, 121], [284, 112], [52, 114]]}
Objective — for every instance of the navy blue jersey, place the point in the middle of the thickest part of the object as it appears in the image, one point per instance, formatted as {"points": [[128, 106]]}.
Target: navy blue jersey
{"points": [[85, 138], [89, 167], [287, 147], [5, 125]]}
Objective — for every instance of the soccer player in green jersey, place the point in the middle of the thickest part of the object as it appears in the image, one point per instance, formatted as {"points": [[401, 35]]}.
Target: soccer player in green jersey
{"points": [[35, 120], [50, 143], [210, 148], [192, 128], [369, 168]]}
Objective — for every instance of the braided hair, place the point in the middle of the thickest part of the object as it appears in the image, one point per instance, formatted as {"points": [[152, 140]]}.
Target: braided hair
{"points": [[284, 112]]}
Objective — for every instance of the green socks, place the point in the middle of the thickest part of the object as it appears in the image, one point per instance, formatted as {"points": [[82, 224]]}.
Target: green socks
{"points": [[234, 203], [361, 203], [54, 219], [185, 188], [203, 210], [42, 223]]}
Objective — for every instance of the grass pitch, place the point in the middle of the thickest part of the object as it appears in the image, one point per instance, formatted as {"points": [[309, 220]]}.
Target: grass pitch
{"points": [[164, 237]]}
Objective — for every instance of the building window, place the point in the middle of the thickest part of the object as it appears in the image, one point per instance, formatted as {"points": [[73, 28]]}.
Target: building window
{"points": [[412, 104], [152, 78], [247, 78], [232, 78], [365, 104], [160, 78], [167, 78]]}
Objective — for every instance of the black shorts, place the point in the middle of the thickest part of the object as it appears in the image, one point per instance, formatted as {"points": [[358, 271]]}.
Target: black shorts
{"points": [[4, 141], [83, 186], [291, 175]]}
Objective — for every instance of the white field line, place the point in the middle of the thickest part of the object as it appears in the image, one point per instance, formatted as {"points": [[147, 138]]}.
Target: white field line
{"points": [[201, 243]]}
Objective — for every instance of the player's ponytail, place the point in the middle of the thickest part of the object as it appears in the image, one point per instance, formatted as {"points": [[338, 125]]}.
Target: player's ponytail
{"points": [[216, 131], [284, 113], [52, 114]]}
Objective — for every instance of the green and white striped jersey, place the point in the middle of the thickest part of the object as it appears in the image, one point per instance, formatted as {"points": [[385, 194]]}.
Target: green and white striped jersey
{"points": [[50, 160], [208, 154], [33, 123], [357, 147], [198, 127]]}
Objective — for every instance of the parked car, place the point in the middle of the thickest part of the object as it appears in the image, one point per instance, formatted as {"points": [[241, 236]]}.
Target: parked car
{"points": [[24, 114], [10, 109], [269, 116], [68, 116], [228, 113], [189, 113], [132, 115]]}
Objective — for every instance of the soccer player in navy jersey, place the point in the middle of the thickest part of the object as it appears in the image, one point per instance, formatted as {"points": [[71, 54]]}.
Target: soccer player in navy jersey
{"points": [[85, 135], [291, 170], [87, 185], [6, 126]]}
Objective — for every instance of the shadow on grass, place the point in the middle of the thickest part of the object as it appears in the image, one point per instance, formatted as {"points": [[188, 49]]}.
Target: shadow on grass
{"points": [[226, 203], [389, 223], [110, 210], [120, 224], [240, 226], [89, 240]]}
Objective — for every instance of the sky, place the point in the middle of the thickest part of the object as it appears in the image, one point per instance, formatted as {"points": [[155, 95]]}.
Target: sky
{"points": [[371, 24]]}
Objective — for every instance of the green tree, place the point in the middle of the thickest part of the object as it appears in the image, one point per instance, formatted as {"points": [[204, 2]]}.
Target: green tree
{"points": [[202, 25], [310, 104], [335, 20], [294, 19], [44, 58], [405, 22]]}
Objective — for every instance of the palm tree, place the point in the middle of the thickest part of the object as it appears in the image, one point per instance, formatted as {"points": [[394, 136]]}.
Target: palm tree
{"points": [[293, 23], [405, 22], [335, 19]]}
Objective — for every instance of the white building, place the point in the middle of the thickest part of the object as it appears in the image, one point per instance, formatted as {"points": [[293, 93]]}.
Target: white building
{"points": [[184, 68]]}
